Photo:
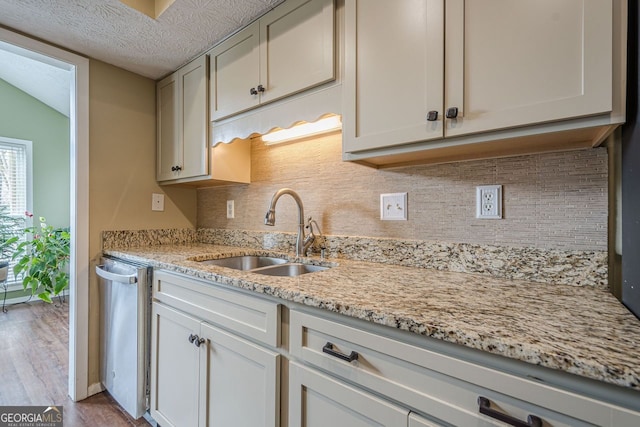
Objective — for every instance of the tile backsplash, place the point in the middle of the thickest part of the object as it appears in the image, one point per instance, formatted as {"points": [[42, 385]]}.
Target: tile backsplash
{"points": [[551, 201], [554, 228]]}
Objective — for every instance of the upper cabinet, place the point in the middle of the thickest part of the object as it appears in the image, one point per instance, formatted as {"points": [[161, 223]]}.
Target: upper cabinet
{"points": [[288, 50], [449, 74], [183, 152], [182, 122], [520, 63]]}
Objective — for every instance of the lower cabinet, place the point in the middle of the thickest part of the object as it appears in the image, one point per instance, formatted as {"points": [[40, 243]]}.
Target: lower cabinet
{"points": [[316, 400], [216, 361], [175, 368], [352, 373], [205, 376], [241, 381]]}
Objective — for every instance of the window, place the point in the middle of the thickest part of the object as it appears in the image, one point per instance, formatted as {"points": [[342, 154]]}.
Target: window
{"points": [[15, 180]]}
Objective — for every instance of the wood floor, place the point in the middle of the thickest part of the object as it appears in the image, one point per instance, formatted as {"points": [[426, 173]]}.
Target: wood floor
{"points": [[34, 356]]}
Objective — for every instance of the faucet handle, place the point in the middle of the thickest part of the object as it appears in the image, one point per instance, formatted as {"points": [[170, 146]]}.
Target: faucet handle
{"points": [[308, 226], [270, 217], [309, 238], [314, 240]]}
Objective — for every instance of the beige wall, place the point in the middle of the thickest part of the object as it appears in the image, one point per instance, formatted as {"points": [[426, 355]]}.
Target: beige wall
{"points": [[556, 200], [122, 171]]}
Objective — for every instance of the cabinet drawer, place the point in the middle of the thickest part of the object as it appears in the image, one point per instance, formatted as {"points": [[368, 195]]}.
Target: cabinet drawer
{"points": [[250, 316], [317, 400], [432, 383]]}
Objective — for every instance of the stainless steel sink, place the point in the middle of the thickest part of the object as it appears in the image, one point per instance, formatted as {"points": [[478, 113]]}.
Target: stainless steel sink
{"points": [[270, 266], [246, 262], [290, 269]]}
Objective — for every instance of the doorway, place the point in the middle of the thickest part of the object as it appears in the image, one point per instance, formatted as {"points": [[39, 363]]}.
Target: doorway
{"points": [[79, 200]]}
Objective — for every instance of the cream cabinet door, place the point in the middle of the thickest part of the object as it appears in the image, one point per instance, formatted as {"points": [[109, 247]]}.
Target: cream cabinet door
{"points": [[515, 63], [183, 122], [316, 400], [169, 151], [241, 384], [175, 369], [234, 73], [393, 72], [413, 67], [296, 47], [288, 50], [195, 123]]}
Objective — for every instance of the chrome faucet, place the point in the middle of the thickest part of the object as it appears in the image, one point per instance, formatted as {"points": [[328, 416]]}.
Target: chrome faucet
{"points": [[302, 242]]}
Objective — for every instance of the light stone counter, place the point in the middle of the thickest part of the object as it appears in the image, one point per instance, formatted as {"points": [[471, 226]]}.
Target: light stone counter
{"points": [[577, 329]]}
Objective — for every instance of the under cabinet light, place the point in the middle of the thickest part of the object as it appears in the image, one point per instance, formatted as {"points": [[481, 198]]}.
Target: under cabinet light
{"points": [[303, 130]]}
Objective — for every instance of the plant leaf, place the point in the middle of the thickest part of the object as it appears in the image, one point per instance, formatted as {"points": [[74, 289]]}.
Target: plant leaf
{"points": [[44, 296]]}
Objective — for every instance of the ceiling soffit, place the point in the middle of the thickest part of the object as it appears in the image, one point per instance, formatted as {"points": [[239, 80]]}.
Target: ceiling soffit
{"points": [[151, 8]]}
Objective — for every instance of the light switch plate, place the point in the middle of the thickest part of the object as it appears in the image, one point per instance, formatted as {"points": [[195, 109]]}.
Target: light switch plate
{"points": [[489, 202], [157, 202], [393, 207], [231, 212]]}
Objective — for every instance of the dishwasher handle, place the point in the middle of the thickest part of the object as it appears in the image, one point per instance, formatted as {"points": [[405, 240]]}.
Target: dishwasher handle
{"points": [[115, 277]]}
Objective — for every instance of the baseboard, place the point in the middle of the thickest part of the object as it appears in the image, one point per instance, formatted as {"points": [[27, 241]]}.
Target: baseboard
{"points": [[18, 300], [25, 298], [95, 388]]}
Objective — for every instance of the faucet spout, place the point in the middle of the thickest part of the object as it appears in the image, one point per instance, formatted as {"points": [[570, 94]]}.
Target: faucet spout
{"points": [[270, 217]]}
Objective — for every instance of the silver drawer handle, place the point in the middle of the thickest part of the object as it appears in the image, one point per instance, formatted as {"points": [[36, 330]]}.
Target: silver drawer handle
{"points": [[328, 348]]}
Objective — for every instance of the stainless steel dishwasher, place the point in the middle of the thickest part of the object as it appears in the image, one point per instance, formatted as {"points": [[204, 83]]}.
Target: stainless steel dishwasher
{"points": [[125, 310]]}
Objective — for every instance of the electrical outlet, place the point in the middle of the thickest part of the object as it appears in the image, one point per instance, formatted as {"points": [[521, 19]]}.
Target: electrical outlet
{"points": [[489, 201], [157, 202], [230, 209], [393, 207]]}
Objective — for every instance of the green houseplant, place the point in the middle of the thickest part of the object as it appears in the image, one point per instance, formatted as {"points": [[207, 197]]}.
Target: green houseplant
{"points": [[42, 261]]}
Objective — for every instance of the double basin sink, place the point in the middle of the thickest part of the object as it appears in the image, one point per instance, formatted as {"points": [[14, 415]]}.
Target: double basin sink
{"points": [[270, 266]]}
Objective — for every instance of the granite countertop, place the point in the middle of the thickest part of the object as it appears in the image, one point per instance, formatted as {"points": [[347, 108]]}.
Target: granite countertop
{"points": [[580, 330]]}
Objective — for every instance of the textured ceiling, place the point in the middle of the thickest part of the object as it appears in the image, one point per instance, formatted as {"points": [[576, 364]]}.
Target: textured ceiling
{"points": [[112, 32]]}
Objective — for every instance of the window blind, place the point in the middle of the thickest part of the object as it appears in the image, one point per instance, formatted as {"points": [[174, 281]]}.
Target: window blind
{"points": [[13, 178], [14, 184]]}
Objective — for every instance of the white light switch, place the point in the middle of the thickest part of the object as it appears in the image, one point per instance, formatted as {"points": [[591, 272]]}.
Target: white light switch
{"points": [[231, 212], [157, 202], [393, 207]]}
